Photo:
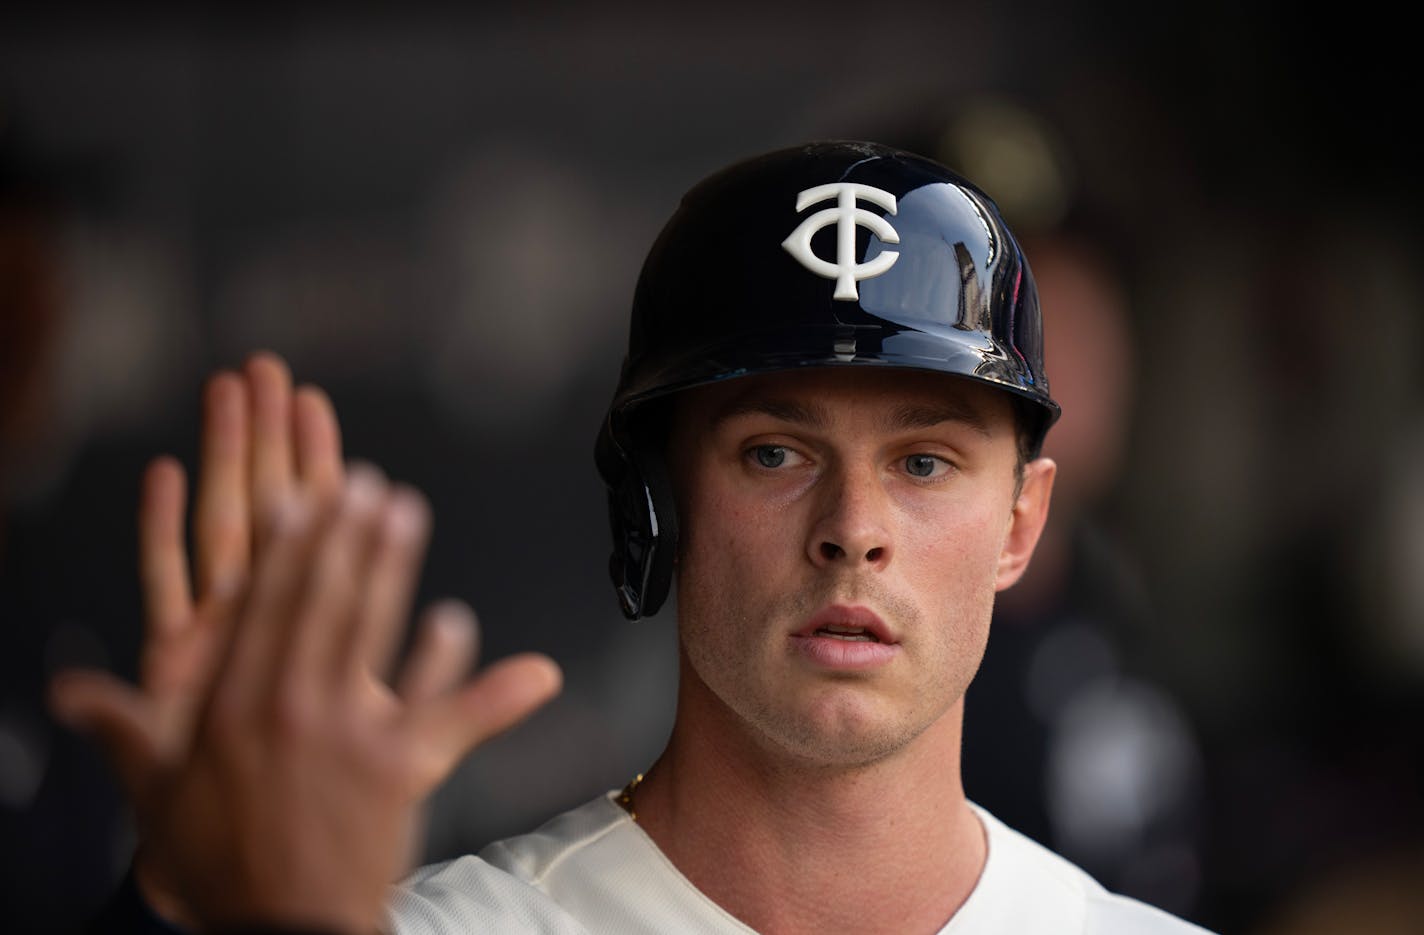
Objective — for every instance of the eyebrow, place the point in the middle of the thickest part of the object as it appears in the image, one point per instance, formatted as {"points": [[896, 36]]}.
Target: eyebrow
{"points": [[817, 416], [923, 417], [813, 415]]}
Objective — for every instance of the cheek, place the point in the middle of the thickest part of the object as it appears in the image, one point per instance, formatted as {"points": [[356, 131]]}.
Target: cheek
{"points": [[712, 545], [737, 568], [961, 538], [954, 566], [718, 520]]}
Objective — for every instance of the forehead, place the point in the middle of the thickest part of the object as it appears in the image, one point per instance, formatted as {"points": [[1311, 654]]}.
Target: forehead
{"points": [[820, 394]]}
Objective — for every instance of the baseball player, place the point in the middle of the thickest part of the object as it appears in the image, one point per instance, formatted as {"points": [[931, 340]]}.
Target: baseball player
{"points": [[826, 433]]}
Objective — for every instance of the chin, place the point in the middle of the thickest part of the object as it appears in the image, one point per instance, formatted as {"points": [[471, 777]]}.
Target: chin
{"points": [[835, 731]]}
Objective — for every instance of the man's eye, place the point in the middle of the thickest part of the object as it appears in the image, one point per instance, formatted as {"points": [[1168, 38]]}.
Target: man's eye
{"points": [[769, 456], [925, 465]]}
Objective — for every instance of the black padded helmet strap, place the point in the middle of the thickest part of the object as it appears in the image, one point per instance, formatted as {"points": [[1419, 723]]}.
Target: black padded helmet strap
{"points": [[643, 517]]}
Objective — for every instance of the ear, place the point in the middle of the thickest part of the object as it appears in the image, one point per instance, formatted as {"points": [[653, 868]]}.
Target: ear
{"points": [[1026, 522]]}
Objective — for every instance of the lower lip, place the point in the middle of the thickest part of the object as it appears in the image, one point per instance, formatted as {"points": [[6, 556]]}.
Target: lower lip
{"points": [[845, 655]]}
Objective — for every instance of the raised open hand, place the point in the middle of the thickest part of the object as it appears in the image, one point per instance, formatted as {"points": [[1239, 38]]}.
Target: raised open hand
{"points": [[261, 443], [296, 799], [263, 676]]}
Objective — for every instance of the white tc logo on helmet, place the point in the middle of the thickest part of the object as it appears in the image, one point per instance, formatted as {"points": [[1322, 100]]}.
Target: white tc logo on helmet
{"points": [[846, 216]]}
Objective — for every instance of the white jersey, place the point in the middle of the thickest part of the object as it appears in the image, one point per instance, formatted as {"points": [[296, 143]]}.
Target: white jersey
{"points": [[593, 870]]}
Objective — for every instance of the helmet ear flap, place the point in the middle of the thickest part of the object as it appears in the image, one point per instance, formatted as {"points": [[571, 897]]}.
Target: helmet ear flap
{"points": [[643, 516]]}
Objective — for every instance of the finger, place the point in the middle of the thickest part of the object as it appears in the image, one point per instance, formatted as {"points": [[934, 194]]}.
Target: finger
{"points": [[257, 640], [118, 716], [222, 515], [163, 561], [317, 438], [273, 468], [390, 582], [325, 623], [500, 697], [445, 646]]}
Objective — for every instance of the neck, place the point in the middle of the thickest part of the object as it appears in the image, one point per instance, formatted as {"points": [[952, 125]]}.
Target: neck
{"points": [[789, 846]]}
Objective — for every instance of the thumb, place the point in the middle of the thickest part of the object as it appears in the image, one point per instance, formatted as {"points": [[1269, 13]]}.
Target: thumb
{"points": [[501, 696], [121, 718]]}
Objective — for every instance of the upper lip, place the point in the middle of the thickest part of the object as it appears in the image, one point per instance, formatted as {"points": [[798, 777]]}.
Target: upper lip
{"points": [[862, 618]]}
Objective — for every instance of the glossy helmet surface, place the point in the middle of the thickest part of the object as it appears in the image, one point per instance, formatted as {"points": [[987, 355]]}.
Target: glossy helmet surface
{"points": [[840, 254]]}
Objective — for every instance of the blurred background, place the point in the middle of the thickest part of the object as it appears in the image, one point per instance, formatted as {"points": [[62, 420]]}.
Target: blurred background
{"points": [[1209, 689]]}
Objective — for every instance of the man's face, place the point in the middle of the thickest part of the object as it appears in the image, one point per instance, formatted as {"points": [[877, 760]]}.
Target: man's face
{"points": [[843, 535]]}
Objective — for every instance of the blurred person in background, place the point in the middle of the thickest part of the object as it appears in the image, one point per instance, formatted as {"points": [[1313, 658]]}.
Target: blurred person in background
{"points": [[1073, 725], [54, 797], [1072, 675], [30, 303]]}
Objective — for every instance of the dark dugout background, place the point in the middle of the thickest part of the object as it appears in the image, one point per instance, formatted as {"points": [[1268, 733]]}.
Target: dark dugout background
{"points": [[1210, 694]]}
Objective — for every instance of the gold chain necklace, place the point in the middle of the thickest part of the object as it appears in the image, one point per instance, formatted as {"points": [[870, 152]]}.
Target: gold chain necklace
{"points": [[625, 798]]}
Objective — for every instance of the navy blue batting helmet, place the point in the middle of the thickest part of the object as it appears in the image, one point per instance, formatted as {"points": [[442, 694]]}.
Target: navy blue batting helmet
{"points": [[839, 254]]}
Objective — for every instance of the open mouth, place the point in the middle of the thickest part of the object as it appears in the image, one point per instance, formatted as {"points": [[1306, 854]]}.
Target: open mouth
{"points": [[846, 638], [847, 633]]}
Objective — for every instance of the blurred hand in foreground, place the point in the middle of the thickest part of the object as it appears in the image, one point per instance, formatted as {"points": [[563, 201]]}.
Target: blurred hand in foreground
{"points": [[274, 775]]}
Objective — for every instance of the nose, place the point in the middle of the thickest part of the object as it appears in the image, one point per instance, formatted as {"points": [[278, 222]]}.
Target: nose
{"points": [[852, 526]]}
